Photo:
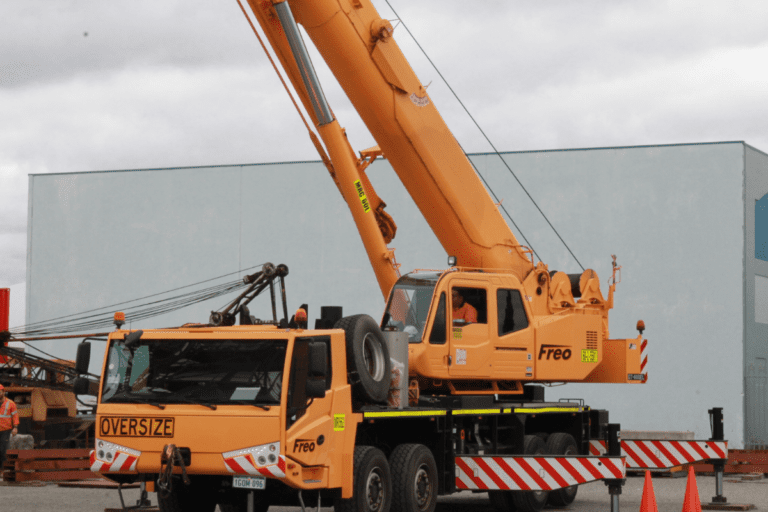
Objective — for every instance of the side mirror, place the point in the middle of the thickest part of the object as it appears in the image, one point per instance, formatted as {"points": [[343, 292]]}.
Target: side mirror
{"points": [[83, 359], [133, 339], [318, 361], [316, 388], [81, 386]]}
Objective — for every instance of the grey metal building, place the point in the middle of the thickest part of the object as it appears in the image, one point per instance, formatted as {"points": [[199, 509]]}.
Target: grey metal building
{"points": [[688, 223]]}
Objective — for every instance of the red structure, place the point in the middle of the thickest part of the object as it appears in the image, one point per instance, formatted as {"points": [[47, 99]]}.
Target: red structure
{"points": [[5, 314]]}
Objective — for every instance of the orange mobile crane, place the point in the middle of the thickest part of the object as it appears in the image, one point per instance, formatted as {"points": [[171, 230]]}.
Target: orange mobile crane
{"points": [[568, 338], [204, 413]]}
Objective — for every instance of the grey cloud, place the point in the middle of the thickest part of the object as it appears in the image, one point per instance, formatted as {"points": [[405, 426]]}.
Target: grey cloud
{"points": [[46, 41], [12, 222], [526, 48], [165, 84], [13, 254]]}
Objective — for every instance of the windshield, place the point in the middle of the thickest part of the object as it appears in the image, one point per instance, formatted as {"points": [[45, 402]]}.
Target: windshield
{"points": [[195, 371], [409, 305]]}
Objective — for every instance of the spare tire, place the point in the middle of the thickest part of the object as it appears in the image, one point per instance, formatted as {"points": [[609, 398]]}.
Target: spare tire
{"points": [[368, 365]]}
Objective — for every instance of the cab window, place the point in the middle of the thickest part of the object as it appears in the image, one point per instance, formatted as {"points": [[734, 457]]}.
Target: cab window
{"points": [[469, 306], [511, 311], [437, 336]]}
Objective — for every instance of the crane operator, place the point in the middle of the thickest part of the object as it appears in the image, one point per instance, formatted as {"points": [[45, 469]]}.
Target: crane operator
{"points": [[462, 310]]}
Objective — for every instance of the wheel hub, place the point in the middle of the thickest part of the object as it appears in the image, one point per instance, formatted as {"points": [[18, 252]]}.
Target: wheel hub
{"points": [[374, 495], [422, 488], [374, 357]]}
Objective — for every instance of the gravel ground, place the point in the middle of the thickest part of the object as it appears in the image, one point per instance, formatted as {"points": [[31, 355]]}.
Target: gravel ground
{"points": [[592, 497]]}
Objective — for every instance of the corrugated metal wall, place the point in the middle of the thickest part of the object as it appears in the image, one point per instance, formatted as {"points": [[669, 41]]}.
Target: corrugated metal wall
{"points": [[674, 215]]}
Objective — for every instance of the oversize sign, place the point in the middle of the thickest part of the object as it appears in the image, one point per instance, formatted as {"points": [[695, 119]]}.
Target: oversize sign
{"points": [[121, 426]]}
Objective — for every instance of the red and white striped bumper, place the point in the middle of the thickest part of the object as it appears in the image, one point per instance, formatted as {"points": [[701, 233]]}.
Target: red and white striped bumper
{"points": [[665, 454], [264, 460], [534, 473], [113, 458]]}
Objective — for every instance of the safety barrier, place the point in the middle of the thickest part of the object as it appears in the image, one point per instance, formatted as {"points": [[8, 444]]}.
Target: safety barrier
{"points": [[648, 454], [542, 473]]}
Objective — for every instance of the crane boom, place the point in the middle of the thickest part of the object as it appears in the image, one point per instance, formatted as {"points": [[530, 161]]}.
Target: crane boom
{"points": [[358, 46], [492, 349]]}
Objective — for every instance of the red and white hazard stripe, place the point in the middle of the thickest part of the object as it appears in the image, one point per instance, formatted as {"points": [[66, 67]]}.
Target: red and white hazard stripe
{"points": [[245, 464], [644, 359], [534, 473], [665, 454], [123, 461]]}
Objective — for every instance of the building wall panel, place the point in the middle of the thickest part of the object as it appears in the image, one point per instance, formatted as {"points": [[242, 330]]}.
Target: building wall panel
{"points": [[673, 215], [755, 297]]}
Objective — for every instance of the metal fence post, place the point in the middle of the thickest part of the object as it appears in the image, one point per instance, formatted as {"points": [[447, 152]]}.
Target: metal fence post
{"points": [[613, 445], [718, 434]]}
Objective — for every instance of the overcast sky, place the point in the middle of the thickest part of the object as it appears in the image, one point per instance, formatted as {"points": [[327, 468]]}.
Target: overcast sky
{"points": [[93, 85]]}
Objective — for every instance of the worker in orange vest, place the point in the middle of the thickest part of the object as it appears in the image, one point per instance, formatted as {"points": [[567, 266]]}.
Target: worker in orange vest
{"points": [[9, 421]]}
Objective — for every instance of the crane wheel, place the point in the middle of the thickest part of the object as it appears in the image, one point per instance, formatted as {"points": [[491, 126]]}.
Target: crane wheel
{"points": [[372, 485], [560, 443], [531, 501], [414, 479], [368, 365]]}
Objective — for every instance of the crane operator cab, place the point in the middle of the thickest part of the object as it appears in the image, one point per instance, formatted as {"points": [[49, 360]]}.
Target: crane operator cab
{"points": [[481, 332], [463, 325]]}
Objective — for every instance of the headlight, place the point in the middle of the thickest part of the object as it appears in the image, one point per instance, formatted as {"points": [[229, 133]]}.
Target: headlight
{"points": [[113, 457]]}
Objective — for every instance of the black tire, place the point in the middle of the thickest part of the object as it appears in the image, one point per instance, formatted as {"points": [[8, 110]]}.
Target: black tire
{"points": [[560, 443], [531, 501], [414, 479], [183, 498], [368, 365], [502, 501], [372, 484]]}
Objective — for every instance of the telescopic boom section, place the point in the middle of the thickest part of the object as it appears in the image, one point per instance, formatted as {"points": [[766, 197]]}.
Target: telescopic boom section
{"points": [[345, 168], [358, 47]]}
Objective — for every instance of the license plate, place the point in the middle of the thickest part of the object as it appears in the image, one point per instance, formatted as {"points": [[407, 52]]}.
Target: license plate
{"points": [[249, 482]]}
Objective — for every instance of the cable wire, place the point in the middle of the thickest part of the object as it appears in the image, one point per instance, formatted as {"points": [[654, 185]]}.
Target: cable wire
{"points": [[489, 142], [39, 350], [98, 318], [134, 300]]}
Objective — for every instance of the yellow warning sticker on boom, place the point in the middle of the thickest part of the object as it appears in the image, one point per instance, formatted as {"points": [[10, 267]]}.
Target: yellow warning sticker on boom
{"points": [[338, 422], [361, 195]]}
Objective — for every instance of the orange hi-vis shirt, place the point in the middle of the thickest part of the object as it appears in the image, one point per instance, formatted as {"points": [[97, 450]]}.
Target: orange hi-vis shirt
{"points": [[466, 312], [9, 417]]}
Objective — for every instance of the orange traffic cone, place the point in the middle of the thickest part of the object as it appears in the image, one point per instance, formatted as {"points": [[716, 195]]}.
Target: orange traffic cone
{"points": [[692, 502], [649, 499]]}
